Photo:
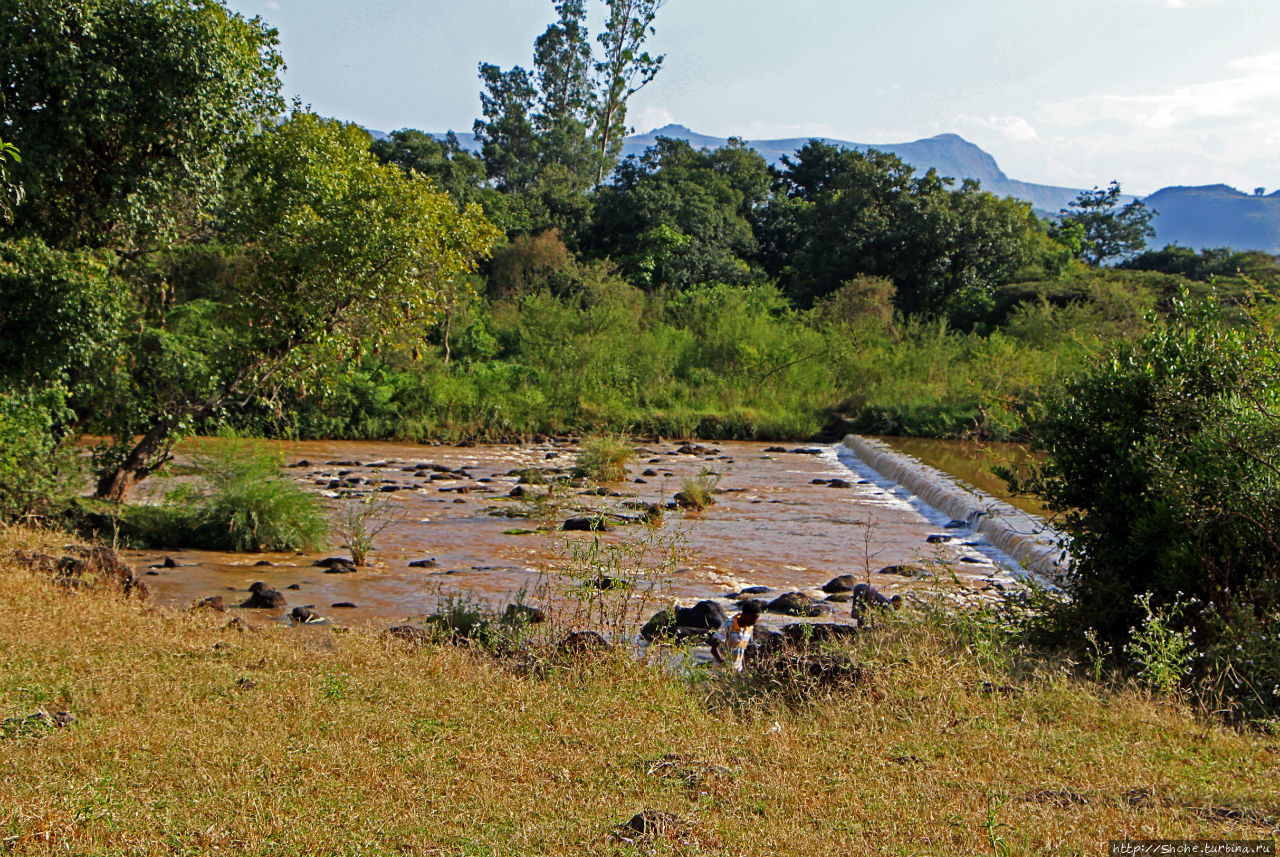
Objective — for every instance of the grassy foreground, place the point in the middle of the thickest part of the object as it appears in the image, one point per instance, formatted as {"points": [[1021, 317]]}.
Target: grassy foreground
{"points": [[190, 738]]}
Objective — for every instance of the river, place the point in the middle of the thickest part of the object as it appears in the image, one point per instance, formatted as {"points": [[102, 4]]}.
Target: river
{"points": [[778, 522]]}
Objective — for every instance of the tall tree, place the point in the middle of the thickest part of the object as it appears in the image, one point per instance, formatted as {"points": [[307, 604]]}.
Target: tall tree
{"points": [[837, 214], [676, 215], [125, 112], [552, 133], [1099, 228], [624, 70], [337, 249]]}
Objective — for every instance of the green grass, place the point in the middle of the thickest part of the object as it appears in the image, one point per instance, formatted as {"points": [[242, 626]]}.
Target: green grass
{"points": [[604, 458]]}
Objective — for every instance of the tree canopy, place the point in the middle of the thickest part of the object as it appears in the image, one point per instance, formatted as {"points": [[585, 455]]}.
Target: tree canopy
{"points": [[126, 113], [1098, 228]]}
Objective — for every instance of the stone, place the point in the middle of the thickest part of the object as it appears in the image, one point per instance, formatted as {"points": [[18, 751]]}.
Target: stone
{"points": [[793, 604], [839, 483], [341, 568], [522, 614], [263, 597], [938, 539], [756, 590], [905, 570], [802, 633], [332, 560], [423, 563], [839, 597], [843, 583], [344, 605], [264, 562], [213, 602], [583, 643], [705, 615], [409, 634], [775, 449], [807, 450], [305, 615], [598, 525]]}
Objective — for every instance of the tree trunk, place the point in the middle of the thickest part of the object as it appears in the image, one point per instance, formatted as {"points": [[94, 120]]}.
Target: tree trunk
{"points": [[146, 456]]}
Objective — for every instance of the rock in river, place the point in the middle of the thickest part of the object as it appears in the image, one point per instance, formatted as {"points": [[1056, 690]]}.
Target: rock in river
{"points": [[263, 597], [794, 604]]}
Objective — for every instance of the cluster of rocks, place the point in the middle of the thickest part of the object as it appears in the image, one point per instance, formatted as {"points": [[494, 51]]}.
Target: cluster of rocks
{"points": [[88, 566]]}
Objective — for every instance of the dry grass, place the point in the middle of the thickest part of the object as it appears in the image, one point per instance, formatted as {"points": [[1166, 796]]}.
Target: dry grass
{"points": [[192, 739]]}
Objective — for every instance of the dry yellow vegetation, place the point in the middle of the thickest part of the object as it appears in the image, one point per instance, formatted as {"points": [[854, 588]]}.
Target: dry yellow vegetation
{"points": [[192, 738]]}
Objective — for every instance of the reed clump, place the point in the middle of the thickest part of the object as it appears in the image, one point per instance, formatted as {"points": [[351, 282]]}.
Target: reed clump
{"points": [[604, 458]]}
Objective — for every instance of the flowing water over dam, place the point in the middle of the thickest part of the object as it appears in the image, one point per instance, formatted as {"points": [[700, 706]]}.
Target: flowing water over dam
{"points": [[786, 518]]}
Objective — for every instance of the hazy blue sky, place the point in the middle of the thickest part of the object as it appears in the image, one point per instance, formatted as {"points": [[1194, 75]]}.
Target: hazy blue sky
{"points": [[1067, 92]]}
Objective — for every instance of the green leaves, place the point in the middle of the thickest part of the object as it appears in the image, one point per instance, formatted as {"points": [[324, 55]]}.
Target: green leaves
{"points": [[125, 112]]}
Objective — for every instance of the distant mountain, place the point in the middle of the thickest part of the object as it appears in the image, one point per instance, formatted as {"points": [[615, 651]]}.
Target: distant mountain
{"points": [[950, 154], [1216, 216], [1196, 217]]}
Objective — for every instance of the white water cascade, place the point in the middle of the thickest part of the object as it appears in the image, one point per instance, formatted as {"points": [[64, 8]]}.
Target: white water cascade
{"points": [[1035, 545]]}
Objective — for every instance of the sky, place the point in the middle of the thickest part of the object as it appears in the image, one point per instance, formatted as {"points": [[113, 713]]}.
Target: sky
{"points": [[1076, 93]]}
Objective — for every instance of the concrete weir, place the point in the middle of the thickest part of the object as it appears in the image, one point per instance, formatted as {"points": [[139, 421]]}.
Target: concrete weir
{"points": [[1028, 539]]}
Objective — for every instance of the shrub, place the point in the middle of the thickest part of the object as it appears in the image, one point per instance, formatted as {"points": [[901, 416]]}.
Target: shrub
{"points": [[604, 458], [36, 466], [358, 522], [699, 491], [1162, 463], [246, 504]]}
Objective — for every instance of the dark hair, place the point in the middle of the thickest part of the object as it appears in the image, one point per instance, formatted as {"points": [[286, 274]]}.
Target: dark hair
{"points": [[752, 606]]}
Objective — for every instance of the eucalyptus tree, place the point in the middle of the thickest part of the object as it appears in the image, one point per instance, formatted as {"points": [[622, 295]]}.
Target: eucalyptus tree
{"points": [[553, 132]]}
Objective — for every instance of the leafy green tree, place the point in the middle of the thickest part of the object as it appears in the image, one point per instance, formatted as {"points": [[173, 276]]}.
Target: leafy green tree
{"points": [[337, 250], [837, 214], [677, 216], [1208, 264], [1161, 464], [126, 112], [456, 171], [1099, 228], [550, 134]]}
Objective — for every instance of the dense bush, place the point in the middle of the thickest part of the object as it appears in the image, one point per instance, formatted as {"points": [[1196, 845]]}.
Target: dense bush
{"points": [[1163, 463], [36, 466], [243, 502]]}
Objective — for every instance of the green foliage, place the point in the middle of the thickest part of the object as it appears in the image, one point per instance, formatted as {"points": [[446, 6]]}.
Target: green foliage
{"points": [[150, 99], [840, 213], [63, 313], [697, 492], [604, 458], [358, 523], [245, 503], [1097, 227], [1161, 650], [38, 466], [1162, 464], [677, 216]]}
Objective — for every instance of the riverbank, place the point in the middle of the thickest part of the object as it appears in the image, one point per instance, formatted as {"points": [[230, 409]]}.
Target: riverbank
{"points": [[187, 737]]}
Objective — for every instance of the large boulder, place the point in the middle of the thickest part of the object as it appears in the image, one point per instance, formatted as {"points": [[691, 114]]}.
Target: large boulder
{"points": [[684, 621], [808, 633], [263, 597], [794, 604], [705, 615], [843, 583]]}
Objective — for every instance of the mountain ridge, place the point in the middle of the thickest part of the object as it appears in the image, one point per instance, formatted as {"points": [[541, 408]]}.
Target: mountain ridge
{"points": [[1214, 215]]}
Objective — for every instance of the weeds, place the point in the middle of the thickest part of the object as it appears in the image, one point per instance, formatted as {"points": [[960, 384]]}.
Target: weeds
{"points": [[1161, 652], [697, 492], [604, 458], [358, 523]]}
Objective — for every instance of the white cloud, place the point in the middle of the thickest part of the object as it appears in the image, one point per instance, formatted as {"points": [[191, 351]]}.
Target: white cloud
{"points": [[649, 118], [1173, 135]]}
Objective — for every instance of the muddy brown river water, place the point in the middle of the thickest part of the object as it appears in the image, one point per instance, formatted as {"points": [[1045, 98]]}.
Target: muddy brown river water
{"points": [[778, 522]]}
